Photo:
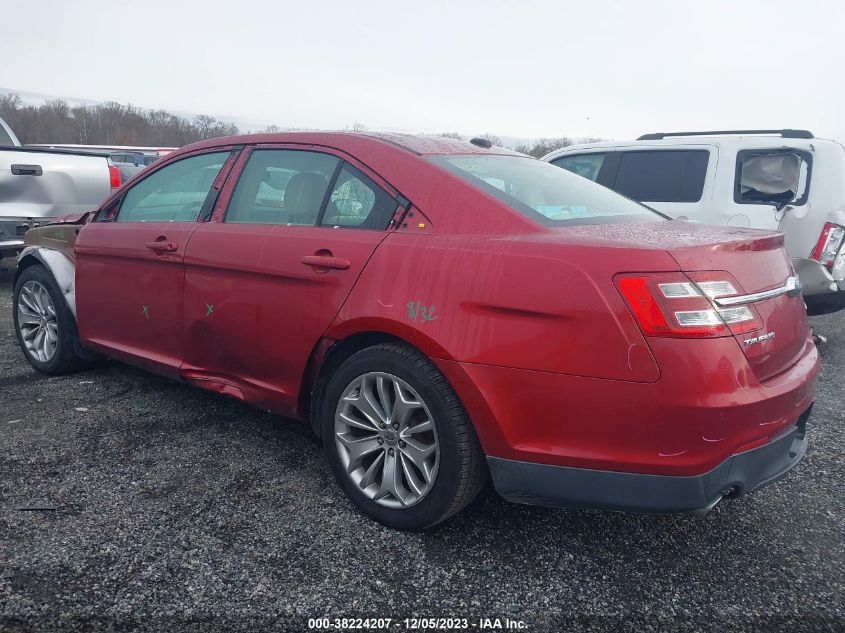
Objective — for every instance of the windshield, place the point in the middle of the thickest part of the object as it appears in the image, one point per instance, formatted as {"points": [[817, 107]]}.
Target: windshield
{"points": [[545, 193]]}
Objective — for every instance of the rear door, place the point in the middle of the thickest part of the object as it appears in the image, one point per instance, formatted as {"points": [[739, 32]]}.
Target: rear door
{"points": [[129, 269], [266, 278]]}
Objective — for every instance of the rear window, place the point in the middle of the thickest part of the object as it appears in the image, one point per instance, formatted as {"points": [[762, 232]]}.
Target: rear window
{"points": [[545, 193], [662, 175]]}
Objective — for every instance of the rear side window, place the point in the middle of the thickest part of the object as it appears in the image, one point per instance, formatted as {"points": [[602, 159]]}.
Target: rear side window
{"points": [[779, 176], [662, 175], [586, 165], [544, 192], [174, 193], [358, 203], [281, 186]]}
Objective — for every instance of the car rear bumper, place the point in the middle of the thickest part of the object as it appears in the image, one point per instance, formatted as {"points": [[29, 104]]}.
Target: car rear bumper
{"points": [[707, 406], [544, 484], [11, 233], [824, 290]]}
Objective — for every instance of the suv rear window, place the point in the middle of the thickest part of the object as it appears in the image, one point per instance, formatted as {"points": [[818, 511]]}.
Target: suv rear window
{"points": [[662, 175], [545, 193]]}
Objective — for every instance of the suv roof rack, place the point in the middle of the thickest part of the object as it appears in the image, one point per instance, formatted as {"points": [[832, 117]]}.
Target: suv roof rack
{"points": [[656, 136]]}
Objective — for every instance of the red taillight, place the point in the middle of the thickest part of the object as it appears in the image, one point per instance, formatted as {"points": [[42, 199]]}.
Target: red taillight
{"points": [[829, 243], [679, 305], [114, 176]]}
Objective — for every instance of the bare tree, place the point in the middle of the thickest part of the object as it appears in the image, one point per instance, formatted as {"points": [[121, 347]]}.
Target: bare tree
{"points": [[111, 123], [107, 123], [545, 145]]}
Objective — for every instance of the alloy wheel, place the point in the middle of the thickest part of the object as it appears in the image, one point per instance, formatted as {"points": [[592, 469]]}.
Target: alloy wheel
{"points": [[37, 321], [386, 440]]}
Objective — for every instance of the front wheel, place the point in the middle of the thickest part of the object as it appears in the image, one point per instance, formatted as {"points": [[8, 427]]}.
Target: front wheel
{"points": [[44, 324], [398, 440]]}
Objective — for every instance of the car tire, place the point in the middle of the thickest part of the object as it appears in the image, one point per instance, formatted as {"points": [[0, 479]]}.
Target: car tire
{"points": [[54, 314], [455, 465]]}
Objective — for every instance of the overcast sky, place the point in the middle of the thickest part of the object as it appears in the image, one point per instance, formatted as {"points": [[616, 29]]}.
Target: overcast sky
{"points": [[526, 69]]}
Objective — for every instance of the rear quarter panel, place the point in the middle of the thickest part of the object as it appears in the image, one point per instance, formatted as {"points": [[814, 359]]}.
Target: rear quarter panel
{"points": [[506, 301]]}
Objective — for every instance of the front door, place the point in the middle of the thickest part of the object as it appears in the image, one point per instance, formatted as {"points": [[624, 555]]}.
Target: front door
{"points": [[129, 271], [266, 280]]}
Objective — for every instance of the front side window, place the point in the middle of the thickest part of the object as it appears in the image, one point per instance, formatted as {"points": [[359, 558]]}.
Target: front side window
{"points": [[662, 175], [174, 193], [358, 203], [281, 186], [545, 193], [586, 165]]}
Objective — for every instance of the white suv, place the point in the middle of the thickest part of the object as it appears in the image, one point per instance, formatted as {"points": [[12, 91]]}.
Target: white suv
{"points": [[784, 180]]}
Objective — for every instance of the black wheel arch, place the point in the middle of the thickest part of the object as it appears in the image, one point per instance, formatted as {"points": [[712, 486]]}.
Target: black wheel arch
{"points": [[327, 357], [30, 259]]}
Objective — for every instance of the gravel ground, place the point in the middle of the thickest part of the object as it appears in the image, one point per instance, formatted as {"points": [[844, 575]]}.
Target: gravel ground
{"points": [[172, 508]]}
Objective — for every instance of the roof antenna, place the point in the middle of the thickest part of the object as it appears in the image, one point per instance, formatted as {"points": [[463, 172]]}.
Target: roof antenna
{"points": [[481, 142]]}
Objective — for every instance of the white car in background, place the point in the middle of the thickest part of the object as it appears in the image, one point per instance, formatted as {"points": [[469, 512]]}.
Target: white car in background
{"points": [[783, 180]]}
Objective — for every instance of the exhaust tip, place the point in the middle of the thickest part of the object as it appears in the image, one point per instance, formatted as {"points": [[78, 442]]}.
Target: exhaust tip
{"points": [[725, 493]]}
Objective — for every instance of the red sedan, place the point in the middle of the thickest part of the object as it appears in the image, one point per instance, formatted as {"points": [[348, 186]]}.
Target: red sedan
{"points": [[439, 311]]}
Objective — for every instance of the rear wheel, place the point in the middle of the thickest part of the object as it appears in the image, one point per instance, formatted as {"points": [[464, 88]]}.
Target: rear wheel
{"points": [[44, 324], [398, 440]]}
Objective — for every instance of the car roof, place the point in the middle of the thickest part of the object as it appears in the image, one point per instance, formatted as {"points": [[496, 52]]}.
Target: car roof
{"points": [[421, 145], [400, 160], [728, 141]]}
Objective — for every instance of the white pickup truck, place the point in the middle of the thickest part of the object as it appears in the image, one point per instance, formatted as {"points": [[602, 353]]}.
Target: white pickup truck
{"points": [[38, 185]]}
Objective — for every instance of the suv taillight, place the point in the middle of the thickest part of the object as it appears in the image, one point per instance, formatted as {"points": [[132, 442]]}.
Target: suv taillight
{"points": [[679, 305], [114, 176], [830, 241]]}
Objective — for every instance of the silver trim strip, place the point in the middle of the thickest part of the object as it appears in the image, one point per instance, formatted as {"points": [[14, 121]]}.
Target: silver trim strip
{"points": [[792, 287]]}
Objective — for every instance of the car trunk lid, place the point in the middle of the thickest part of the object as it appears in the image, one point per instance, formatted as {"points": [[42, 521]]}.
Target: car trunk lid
{"points": [[768, 285], [755, 260]]}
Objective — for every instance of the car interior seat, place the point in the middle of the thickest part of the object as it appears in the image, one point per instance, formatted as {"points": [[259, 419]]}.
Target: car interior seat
{"points": [[303, 197]]}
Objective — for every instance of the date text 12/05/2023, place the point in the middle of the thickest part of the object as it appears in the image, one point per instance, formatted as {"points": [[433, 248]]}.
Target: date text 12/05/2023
{"points": [[417, 624]]}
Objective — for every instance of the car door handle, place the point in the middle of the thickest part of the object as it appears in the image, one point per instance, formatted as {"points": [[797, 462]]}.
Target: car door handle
{"points": [[162, 246], [326, 261], [27, 170]]}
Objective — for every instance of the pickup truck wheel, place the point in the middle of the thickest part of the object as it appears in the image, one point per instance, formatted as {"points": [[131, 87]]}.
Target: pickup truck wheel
{"points": [[398, 439], [44, 325]]}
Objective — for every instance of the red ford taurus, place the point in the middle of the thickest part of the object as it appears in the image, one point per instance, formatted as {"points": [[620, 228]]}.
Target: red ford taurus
{"points": [[437, 311]]}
